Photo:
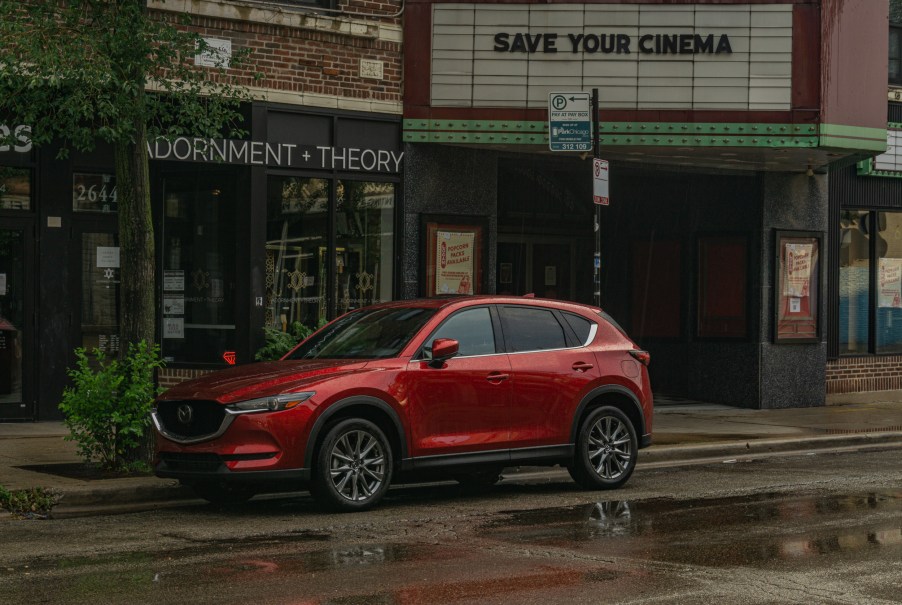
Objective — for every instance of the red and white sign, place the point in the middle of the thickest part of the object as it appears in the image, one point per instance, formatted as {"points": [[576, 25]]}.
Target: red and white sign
{"points": [[600, 175]]}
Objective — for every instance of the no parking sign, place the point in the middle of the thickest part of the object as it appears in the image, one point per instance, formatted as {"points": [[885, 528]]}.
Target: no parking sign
{"points": [[600, 175]]}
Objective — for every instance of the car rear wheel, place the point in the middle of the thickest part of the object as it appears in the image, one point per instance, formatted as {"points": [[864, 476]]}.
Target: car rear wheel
{"points": [[606, 450], [354, 466]]}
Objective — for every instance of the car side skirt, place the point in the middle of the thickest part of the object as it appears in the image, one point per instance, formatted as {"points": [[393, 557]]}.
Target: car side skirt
{"points": [[551, 454]]}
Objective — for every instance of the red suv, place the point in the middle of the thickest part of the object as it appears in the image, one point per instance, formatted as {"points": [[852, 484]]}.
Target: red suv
{"points": [[460, 387]]}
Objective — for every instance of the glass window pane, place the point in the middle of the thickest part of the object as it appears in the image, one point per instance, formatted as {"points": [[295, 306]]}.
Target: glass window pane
{"points": [[296, 252], [472, 329], [532, 329], [364, 229], [94, 192], [580, 325], [889, 282], [854, 282], [12, 315], [15, 188], [367, 334], [199, 267]]}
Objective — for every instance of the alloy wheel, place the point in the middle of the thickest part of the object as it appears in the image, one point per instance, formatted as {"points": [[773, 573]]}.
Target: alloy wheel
{"points": [[357, 465], [610, 447]]}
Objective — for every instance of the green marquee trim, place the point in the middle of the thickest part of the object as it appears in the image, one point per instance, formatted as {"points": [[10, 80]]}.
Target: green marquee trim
{"points": [[857, 132], [657, 134]]}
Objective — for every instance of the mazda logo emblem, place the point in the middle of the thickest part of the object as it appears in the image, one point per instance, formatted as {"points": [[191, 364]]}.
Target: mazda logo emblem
{"points": [[185, 413]]}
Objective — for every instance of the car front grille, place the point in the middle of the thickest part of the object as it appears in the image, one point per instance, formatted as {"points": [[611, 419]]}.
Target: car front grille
{"points": [[189, 421]]}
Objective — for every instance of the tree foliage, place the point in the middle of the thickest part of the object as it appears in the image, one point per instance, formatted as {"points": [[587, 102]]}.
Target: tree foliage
{"points": [[81, 72], [84, 71]]}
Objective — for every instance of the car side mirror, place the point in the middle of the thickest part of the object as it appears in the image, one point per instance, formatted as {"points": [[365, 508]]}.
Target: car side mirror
{"points": [[443, 349]]}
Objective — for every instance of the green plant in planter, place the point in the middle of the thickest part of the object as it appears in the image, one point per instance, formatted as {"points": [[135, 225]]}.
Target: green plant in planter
{"points": [[107, 409], [278, 342]]}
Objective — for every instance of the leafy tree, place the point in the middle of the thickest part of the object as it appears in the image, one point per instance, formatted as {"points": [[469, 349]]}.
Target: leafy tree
{"points": [[81, 72]]}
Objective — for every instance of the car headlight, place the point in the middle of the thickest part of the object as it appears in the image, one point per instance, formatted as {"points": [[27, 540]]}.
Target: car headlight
{"points": [[269, 404]]}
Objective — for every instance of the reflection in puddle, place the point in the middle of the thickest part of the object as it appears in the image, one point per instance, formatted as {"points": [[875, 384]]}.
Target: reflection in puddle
{"points": [[327, 560], [722, 531]]}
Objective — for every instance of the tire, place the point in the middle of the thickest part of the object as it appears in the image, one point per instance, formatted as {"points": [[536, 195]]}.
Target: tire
{"points": [[353, 466], [222, 494], [478, 479], [606, 450]]}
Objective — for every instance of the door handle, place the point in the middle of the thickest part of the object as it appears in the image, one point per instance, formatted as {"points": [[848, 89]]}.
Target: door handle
{"points": [[497, 377], [581, 366]]}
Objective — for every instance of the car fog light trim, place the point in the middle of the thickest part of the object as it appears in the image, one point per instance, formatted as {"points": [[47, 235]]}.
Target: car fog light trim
{"points": [[275, 403]]}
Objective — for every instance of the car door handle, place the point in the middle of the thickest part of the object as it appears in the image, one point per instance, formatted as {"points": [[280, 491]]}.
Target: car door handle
{"points": [[581, 366], [497, 377]]}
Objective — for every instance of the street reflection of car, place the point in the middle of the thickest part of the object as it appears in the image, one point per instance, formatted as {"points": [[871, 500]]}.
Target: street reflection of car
{"points": [[458, 387]]}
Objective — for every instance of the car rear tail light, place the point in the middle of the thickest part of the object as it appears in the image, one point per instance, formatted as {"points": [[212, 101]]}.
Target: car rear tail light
{"points": [[644, 357]]}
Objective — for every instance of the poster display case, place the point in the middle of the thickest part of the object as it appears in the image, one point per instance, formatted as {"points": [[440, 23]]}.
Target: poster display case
{"points": [[454, 257], [798, 287]]}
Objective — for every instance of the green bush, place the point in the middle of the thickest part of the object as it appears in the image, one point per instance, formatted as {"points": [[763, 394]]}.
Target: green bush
{"points": [[108, 407], [36, 502], [278, 342]]}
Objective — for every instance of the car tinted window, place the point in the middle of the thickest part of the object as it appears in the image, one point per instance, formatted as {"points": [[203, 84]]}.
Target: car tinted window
{"points": [[365, 334], [580, 325], [472, 329], [527, 329]]}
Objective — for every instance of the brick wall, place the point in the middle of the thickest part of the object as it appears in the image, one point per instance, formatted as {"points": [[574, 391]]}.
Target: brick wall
{"points": [[860, 374], [299, 52], [170, 377]]}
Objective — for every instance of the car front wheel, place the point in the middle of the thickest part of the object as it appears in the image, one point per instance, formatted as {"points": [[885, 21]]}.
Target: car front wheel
{"points": [[354, 466], [606, 450]]}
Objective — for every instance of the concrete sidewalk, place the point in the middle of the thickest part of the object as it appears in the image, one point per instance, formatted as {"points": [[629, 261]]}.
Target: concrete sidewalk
{"points": [[684, 432]]}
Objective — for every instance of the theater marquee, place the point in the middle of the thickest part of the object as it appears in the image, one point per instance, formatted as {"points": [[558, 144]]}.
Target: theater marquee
{"points": [[640, 56]]}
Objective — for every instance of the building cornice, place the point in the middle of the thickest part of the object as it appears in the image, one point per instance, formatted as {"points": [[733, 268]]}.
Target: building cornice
{"points": [[299, 17]]}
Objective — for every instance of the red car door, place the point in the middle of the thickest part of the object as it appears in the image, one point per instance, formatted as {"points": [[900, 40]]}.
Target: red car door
{"points": [[463, 406], [551, 371]]}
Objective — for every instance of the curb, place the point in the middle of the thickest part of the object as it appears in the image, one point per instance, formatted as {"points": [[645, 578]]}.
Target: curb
{"points": [[156, 492], [683, 453]]}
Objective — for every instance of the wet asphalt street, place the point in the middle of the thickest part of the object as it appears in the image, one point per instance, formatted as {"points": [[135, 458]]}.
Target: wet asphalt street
{"points": [[823, 528]]}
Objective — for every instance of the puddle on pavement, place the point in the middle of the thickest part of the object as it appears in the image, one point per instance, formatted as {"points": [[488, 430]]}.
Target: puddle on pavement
{"points": [[331, 559], [720, 532]]}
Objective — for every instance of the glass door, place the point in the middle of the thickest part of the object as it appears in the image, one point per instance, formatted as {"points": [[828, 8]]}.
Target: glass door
{"points": [[100, 278], [16, 341]]}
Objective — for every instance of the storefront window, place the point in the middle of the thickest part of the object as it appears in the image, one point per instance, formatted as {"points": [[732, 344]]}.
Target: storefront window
{"points": [[364, 238], [15, 188], [854, 282], [300, 255], [895, 55], [296, 251], [889, 282], [199, 268]]}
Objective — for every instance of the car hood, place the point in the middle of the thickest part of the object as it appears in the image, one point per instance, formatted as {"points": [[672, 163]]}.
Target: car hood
{"points": [[260, 380]]}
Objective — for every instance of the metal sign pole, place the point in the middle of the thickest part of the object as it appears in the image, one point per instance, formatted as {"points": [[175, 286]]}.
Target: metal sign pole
{"points": [[596, 152]]}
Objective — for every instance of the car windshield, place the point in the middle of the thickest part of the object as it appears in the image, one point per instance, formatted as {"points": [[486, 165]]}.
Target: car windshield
{"points": [[365, 334]]}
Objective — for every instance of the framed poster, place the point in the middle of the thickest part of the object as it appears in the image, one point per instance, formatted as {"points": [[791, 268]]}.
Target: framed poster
{"points": [[797, 287], [454, 257]]}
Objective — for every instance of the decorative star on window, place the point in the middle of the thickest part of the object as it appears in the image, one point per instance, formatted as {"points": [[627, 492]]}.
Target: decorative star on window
{"points": [[200, 279]]}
